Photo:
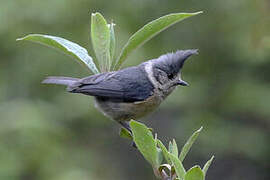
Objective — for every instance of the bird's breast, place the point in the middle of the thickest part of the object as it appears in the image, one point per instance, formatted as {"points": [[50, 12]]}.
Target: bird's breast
{"points": [[125, 111]]}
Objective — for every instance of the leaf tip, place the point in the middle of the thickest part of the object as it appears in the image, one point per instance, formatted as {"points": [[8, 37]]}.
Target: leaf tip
{"points": [[93, 14], [207, 164], [111, 24], [26, 37], [196, 167], [20, 39], [96, 14], [199, 130], [196, 13]]}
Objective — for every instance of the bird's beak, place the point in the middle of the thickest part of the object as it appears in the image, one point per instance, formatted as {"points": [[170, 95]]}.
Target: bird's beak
{"points": [[182, 83]]}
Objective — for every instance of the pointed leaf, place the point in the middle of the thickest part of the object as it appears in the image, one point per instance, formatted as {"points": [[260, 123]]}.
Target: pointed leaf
{"points": [[149, 31], [178, 166], [188, 144], [155, 137], [174, 148], [112, 40], [100, 34], [65, 46], [145, 142], [125, 134], [164, 151], [194, 173], [170, 147], [159, 157], [207, 164]]}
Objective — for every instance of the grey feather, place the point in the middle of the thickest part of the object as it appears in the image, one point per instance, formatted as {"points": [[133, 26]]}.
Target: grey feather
{"points": [[127, 85], [173, 62], [60, 80]]}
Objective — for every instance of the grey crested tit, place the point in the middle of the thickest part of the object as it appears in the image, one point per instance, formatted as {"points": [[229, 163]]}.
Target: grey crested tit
{"points": [[132, 92]]}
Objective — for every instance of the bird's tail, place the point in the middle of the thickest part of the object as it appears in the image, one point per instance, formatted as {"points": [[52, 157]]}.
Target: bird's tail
{"points": [[68, 81]]}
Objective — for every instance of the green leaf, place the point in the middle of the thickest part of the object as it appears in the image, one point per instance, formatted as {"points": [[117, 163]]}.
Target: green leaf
{"points": [[207, 164], [188, 144], [67, 47], [124, 133], [145, 142], [149, 31], [164, 151], [112, 40], [170, 147], [178, 166], [100, 34], [174, 148], [160, 156], [194, 173], [155, 137]]}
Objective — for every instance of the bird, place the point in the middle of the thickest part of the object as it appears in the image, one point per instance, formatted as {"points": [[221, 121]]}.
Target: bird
{"points": [[132, 92]]}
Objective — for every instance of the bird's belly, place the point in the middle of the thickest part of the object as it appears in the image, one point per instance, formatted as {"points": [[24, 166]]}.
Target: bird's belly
{"points": [[123, 111]]}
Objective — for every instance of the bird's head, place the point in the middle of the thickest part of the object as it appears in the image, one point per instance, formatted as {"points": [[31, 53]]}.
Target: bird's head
{"points": [[167, 68]]}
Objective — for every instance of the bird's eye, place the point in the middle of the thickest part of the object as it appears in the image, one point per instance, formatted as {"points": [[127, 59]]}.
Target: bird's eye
{"points": [[170, 76]]}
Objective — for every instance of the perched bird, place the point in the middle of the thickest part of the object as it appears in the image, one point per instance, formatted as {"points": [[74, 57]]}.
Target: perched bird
{"points": [[132, 92]]}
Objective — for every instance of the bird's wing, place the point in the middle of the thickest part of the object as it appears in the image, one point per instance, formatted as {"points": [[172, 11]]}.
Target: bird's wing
{"points": [[95, 79], [127, 85]]}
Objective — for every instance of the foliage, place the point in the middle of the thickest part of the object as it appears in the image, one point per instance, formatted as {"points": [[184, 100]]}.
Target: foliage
{"points": [[100, 34], [149, 31], [103, 40], [65, 46], [150, 146]]}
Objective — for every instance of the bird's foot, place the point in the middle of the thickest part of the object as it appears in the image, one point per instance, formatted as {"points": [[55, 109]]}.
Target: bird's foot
{"points": [[126, 125]]}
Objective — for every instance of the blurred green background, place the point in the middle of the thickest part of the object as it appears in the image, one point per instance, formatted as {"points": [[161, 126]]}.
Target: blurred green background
{"points": [[46, 133]]}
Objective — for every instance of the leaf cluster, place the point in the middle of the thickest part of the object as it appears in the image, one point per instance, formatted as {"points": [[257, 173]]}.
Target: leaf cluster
{"points": [[104, 42], [155, 152]]}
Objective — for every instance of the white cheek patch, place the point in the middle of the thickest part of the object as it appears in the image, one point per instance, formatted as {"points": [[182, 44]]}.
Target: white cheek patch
{"points": [[150, 74], [179, 76]]}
